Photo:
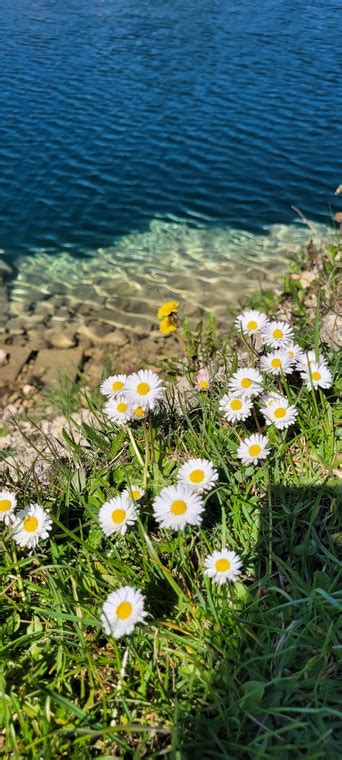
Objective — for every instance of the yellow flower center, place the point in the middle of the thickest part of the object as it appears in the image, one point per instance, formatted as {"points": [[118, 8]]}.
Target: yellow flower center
{"points": [[291, 354], [30, 524], [118, 516], [117, 385], [316, 375], [5, 505], [178, 507], [221, 565], [196, 476], [279, 412], [139, 412], [276, 363], [277, 333], [143, 389], [235, 404], [246, 382], [134, 495], [252, 324], [122, 407], [204, 384], [254, 450], [124, 610]]}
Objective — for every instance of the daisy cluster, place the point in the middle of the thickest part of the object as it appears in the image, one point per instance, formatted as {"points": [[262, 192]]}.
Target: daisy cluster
{"points": [[286, 355], [281, 356], [174, 508], [132, 397], [28, 525], [182, 503]]}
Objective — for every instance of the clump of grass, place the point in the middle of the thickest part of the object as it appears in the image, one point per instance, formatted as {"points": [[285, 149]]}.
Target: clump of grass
{"points": [[244, 670]]}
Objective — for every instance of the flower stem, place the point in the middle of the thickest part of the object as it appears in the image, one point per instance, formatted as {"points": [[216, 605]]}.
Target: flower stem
{"points": [[136, 450], [147, 455]]}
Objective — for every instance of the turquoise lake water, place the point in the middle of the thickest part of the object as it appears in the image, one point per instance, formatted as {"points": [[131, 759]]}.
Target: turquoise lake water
{"points": [[167, 132]]}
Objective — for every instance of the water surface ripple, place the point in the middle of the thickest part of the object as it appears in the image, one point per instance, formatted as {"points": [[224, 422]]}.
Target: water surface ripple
{"points": [[207, 114]]}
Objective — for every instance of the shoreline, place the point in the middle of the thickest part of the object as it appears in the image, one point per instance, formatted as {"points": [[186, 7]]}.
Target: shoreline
{"points": [[33, 378], [62, 315]]}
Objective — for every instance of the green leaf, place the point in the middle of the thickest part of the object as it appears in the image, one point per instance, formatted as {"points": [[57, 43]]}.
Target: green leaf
{"points": [[252, 694], [10, 626], [97, 439]]}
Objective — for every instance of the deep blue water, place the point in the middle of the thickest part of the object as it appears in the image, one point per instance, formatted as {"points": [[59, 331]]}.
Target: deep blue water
{"points": [[208, 112]]}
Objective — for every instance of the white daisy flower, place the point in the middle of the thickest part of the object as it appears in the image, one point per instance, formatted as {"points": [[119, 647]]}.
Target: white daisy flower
{"points": [[117, 514], [113, 385], [277, 334], [8, 503], [251, 322], [31, 524], [277, 362], [138, 413], [293, 351], [203, 380], [279, 412], [222, 566], [122, 610], [317, 376], [178, 506], [199, 474], [145, 389], [235, 407], [307, 358], [134, 493], [118, 409], [272, 398], [253, 448], [247, 381]]}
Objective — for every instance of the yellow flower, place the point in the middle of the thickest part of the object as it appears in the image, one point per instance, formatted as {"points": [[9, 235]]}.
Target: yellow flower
{"points": [[167, 309], [168, 325]]}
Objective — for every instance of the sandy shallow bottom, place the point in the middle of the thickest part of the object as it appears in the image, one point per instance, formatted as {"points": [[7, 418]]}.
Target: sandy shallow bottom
{"points": [[58, 300]]}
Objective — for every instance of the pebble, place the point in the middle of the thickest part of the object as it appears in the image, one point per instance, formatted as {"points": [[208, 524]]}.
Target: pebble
{"points": [[28, 389], [59, 339], [3, 357], [14, 326]]}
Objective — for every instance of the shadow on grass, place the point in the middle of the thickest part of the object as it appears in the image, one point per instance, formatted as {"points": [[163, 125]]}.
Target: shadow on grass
{"points": [[274, 693]]}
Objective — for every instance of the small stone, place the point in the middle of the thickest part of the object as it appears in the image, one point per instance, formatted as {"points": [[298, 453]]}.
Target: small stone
{"points": [[30, 321], [28, 390], [59, 339], [5, 442], [62, 314], [17, 357], [307, 278], [35, 341], [44, 308], [18, 340], [14, 327], [116, 338], [17, 308], [27, 403], [94, 331], [3, 357], [51, 364], [331, 330]]}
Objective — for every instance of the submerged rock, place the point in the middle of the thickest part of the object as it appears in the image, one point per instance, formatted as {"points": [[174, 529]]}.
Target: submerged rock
{"points": [[60, 339]]}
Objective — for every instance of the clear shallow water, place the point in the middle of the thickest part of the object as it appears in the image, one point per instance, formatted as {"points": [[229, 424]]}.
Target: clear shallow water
{"points": [[118, 117]]}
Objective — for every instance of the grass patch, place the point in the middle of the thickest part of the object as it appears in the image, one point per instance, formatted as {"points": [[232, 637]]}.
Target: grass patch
{"points": [[244, 670]]}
